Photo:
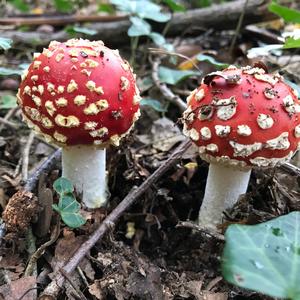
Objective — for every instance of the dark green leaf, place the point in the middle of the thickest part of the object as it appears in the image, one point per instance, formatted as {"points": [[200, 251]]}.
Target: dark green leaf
{"points": [[73, 220], [172, 76], [265, 257], [63, 186], [288, 14], [291, 43], [69, 210], [294, 86], [211, 60], [155, 104], [63, 5], [204, 3], [174, 5], [20, 5], [139, 27], [8, 102], [68, 203], [76, 29], [5, 43], [105, 7]]}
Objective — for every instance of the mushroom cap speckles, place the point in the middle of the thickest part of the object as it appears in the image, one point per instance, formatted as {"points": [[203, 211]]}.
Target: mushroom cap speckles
{"points": [[243, 118], [80, 92]]}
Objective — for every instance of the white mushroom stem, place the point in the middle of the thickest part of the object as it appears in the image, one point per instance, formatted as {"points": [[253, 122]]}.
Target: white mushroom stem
{"points": [[85, 167], [223, 187]]}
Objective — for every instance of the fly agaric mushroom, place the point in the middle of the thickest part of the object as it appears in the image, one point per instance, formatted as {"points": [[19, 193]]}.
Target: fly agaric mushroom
{"points": [[82, 96], [239, 119]]}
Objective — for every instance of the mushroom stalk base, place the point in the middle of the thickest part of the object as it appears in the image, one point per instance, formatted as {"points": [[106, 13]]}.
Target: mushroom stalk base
{"points": [[223, 187], [85, 167]]}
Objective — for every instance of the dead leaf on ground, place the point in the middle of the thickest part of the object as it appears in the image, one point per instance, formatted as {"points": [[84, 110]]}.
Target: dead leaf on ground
{"points": [[16, 289]]}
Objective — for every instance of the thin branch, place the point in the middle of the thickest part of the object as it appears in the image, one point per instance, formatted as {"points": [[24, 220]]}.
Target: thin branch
{"points": [[9, 114], [54, 287], [238, 27], [39, 252], [9, 124], [168, 94], [203, 230], [44, 167]]}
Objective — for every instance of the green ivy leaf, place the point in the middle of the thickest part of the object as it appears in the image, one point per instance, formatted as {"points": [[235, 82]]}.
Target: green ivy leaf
{"points": [[211, 60], [8, 102], [143, 9], [291, 43], [72, 30], [148, 10], [172, 76], [174, 5], [265, 257], [288, 14], [139, 27], [69, 210], [63, 186], [5, 43], [64, 6], [155, 104]]}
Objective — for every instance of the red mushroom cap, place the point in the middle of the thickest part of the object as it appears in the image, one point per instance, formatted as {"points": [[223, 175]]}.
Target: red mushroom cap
{"points": [[244, 117], [79, 92]]}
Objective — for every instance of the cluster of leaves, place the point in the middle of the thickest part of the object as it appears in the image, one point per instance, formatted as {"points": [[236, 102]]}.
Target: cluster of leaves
{"points": [[67, 207], [292, 40], [63, 6], [139, 11], [265, 257]]}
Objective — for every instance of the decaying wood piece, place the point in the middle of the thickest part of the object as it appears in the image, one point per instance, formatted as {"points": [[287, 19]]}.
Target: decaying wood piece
{"points": [[222, 16], [58, 19]]}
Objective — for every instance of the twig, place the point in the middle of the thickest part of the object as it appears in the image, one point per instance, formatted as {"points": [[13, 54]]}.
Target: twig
{"points": [[54, 287], [238, 27], [44, 167], [39, 252], [201, 229], [9, 114], [168, 94], [290, 169], [31, 248], [25, 159], [9, 124], [79, 294]]}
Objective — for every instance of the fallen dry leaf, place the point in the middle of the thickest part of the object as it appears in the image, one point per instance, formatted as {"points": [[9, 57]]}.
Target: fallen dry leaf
{"points": [[17, 289]]}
